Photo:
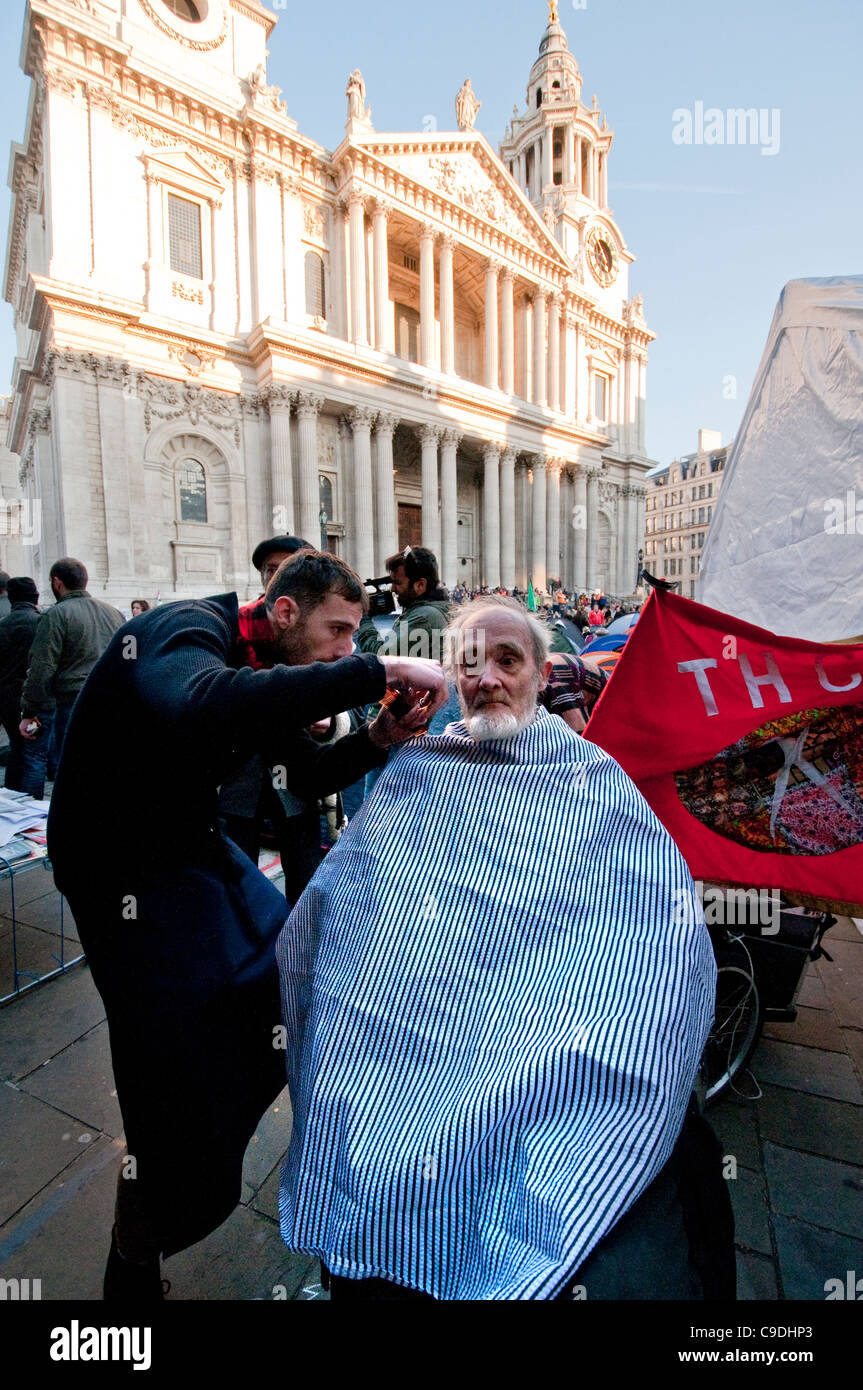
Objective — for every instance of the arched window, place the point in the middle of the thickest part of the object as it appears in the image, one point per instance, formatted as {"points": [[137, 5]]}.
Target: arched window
{"points": [[539, 96], [316, 303], [185, 9], [193, 491]]}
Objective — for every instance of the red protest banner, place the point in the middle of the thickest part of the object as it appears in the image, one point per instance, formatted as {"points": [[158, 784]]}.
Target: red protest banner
{"points": [[748, 746]]}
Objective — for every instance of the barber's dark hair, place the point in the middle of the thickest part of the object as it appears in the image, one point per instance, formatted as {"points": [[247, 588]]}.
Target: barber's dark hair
{"points": [[70, 572], [310, 576], [418, 563]]}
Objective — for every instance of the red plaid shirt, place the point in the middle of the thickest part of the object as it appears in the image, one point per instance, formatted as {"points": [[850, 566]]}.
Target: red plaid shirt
{"points": [[255, 643]]}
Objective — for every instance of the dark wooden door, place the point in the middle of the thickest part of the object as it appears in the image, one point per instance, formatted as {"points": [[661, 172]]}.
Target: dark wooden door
{"points": [[410, 525]]}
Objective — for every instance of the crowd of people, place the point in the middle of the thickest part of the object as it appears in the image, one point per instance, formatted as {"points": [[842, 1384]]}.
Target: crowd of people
{"points": [[491, 1053]]}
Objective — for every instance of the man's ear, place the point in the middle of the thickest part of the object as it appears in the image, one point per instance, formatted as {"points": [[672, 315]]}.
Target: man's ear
{"points": [[420, 586], [546, 672], [285, 612]]}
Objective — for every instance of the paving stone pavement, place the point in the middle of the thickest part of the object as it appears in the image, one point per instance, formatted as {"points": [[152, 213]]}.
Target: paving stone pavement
{"points": [[794, 1131]]}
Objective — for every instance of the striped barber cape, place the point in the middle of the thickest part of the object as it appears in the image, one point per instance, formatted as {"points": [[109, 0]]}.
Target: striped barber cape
{"points": [[495, 1011]]}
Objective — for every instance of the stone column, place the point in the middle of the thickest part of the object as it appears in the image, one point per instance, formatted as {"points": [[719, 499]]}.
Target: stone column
{"points": [[449, 507], [569, 156], [383, 315], [429, 436], [522, 507], [491, 515], [540, 387], [578, 521], [578, 164], [359, 318], [566, 534], [552, 523], [588, 415], [603, 179], [539, 539], [507, 519], [630, 553], [361, 423], [554, 353], [628, 435], [343, 224], [447, 306], [570, 366], [427, 330], [592, 525], [642, 391], [308, 520], [279, 400], [547, 157], [387, 529], [639, 524], [507, 336], [492, 367], [527, 349]]}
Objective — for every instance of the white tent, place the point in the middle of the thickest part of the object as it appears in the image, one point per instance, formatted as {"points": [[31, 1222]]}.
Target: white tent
{"points": [[785, 547]]}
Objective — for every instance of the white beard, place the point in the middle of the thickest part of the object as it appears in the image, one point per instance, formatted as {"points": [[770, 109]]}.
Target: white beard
{"points": [[483, 726]]}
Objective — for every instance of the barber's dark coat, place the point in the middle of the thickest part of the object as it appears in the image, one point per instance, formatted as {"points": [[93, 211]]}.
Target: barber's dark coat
{"points": [[178, 925]]}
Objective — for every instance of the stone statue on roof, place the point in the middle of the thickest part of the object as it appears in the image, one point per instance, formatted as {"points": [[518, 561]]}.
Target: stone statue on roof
{"points": [[466, 106], [356, 95]]}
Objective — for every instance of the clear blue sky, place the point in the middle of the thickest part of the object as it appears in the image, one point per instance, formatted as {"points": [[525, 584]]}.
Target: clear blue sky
{"points": [[716, 229]]}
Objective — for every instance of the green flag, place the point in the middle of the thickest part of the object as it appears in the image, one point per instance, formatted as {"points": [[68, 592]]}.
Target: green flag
{"points": [[531, 597]]}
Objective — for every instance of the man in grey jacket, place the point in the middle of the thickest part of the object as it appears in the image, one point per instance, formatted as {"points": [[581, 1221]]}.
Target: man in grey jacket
{"points": [[69, 639]]}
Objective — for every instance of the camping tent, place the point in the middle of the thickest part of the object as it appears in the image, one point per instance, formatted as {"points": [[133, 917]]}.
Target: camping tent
{"points": [[785, 548]]}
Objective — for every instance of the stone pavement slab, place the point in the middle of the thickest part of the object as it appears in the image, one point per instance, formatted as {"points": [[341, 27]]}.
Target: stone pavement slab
{"points": [[829, 1193], [812, 994], [811, 1028], [40, 1024], [266, 1199], [245, 1259], [79, 1080], [843, 981], [808, 1257], [63, 1235], [735, 1124], [756, 1278], [267, 1147], [39, 953], [751, 1212], [36, 1143], [809, 1069], [45, 913], [853, 1040], [814, 1123], [29, 884]]}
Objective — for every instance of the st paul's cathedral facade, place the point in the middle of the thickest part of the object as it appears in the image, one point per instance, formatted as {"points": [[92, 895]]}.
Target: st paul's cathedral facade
{"points": [[225, 330]]}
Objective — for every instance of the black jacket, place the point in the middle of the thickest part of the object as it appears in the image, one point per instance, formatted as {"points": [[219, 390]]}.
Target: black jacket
{"points": [[16, 638], [178, 925]]}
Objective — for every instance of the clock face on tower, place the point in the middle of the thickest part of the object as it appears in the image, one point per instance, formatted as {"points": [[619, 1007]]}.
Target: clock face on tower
{"points": [[602, 256]]}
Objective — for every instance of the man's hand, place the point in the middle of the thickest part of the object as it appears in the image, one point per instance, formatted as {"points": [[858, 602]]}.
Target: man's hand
{"points": [[422, 674], [385, 731], [29, 727]]}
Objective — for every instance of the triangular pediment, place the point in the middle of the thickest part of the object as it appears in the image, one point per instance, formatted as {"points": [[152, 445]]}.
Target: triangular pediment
{"points": [[466, 171], [178, 165]]}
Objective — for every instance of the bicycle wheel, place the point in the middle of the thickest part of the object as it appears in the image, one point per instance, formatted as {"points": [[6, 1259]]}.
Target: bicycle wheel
{"points": [[736, 1026]]}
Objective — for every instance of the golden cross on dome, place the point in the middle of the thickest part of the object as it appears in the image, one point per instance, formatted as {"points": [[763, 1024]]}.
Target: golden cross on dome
{"points": [[552, 11]]}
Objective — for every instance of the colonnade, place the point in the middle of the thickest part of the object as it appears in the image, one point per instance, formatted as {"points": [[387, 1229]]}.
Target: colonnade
{"points": [[539, 513]]}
